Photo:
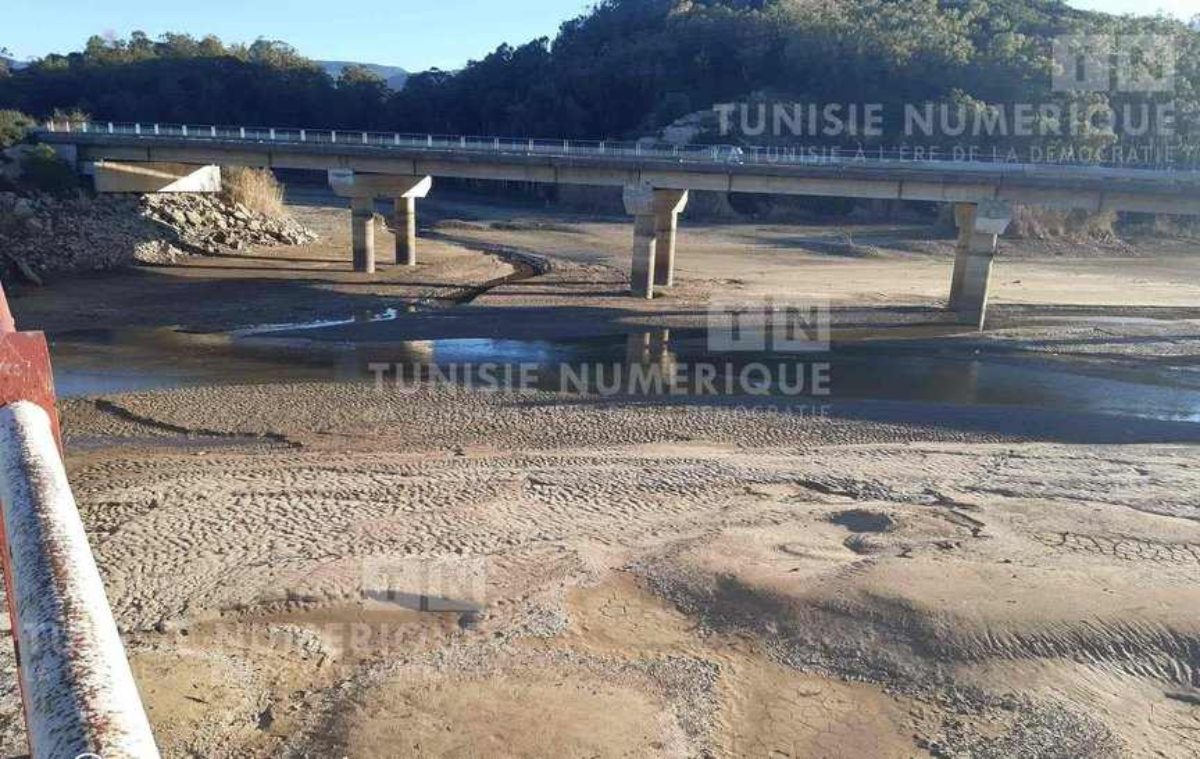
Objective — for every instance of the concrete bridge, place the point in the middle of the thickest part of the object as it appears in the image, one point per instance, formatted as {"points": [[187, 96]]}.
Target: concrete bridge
{"points": [[655, 178]]}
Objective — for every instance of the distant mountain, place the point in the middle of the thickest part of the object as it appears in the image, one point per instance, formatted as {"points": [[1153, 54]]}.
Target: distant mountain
{"points": [[393, 75]]}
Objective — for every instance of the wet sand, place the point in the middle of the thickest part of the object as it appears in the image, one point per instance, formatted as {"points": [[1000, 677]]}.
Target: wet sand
{"points": [[306, 567]]}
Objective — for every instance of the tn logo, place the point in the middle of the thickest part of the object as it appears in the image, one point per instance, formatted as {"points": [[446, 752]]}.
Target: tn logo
{"points": [[1114, 63]]}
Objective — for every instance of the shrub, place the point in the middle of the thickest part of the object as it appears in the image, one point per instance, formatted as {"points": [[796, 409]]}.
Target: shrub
{"points": [[43, 170], [256, 189], [13, 127]]}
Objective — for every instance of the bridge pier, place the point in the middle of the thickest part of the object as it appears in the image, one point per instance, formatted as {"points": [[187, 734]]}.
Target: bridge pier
{"points": [[639, 203], [363, 189], [404, 224], [979, 230], [667, 206], [362, 233], [655, 215]]}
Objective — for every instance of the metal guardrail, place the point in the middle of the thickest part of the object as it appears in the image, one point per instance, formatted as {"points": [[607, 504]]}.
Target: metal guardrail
{"points": [[645, 149], [77, 690]]}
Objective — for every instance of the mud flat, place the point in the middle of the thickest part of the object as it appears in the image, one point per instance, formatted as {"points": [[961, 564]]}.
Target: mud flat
{"points": [[304, 567]]}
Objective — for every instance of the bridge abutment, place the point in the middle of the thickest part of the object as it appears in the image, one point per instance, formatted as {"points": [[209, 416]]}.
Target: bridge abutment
{"points": [[157, 176]]}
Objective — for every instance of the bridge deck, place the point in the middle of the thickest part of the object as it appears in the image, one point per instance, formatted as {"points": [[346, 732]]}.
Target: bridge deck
{"points": [[716, 168]]}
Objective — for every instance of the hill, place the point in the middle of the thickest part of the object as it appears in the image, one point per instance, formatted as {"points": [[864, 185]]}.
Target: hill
{"points": [[394, 76]]}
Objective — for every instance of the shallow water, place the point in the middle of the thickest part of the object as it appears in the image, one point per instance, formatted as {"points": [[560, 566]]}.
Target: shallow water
{"points": [[108, 362]]}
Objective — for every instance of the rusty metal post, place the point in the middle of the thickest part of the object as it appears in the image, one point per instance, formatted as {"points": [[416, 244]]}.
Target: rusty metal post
{"points": [[25, 373]]}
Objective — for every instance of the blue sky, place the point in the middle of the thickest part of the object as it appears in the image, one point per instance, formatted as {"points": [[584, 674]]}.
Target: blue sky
{"points": [[415, 34]]}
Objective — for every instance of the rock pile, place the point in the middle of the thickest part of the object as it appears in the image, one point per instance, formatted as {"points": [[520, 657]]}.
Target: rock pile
{"points": [[210, 221], [43, 235]]}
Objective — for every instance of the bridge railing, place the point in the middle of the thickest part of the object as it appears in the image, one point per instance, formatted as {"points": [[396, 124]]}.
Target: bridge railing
{"points": [[648, 149], [77, 690]]}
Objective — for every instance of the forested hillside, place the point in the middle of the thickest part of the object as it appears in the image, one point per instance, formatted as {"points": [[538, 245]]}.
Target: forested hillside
{"points": [[625, 69]]}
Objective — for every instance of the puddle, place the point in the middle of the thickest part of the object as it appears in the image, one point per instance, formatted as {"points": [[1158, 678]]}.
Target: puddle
{"points": [[861, 520], [108, 362]]}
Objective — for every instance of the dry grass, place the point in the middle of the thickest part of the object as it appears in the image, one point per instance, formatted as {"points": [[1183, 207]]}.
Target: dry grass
{"points": [[256, 189], [1031, 223]]}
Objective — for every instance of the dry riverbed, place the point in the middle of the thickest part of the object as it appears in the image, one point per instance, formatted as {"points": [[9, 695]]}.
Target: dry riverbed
{"points": [[323, 569]]}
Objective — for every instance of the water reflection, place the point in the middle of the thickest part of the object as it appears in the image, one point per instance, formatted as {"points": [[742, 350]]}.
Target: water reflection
{"points": [[106, 362]]}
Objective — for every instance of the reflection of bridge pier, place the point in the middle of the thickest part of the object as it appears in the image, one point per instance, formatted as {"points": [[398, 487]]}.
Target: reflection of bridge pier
{"points": [[651, 348], [657, 179]]}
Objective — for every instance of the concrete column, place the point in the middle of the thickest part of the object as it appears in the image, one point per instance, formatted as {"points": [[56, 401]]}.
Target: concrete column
{"points": [[667, 206], [362, 233], [979, 229], [641, 276], [964, 219], [404, 223], [639, 202]]}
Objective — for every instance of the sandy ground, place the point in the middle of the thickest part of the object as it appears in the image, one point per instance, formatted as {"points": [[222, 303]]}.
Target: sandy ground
{"points": [[332, 569]]}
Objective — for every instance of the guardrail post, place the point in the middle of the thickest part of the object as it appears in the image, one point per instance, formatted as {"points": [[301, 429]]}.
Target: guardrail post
{"points": [[566, 146], [156, 129], [333, 135], [462, 141], [396, 139], [364, 138], [429, 140], [212, 132], [183, 130], [303, 135], [242, 133], [272, 134], [110, 127]]}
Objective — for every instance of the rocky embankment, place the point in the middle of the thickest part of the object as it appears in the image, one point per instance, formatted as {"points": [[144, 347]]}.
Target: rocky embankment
{"points": [[210, 221], [43, 236]]}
